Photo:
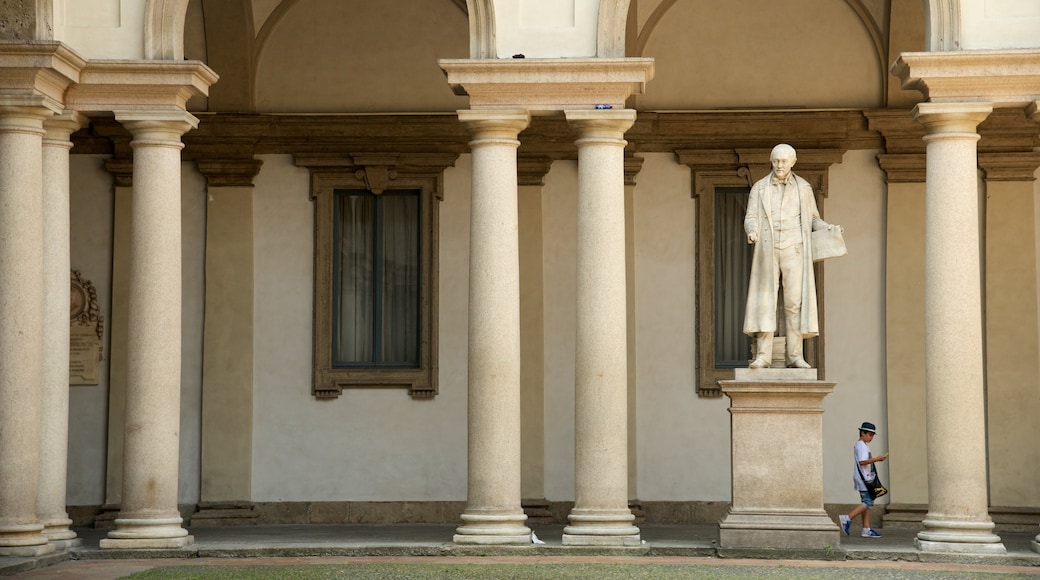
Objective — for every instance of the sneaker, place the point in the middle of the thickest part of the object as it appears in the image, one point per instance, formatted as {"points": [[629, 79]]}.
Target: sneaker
{"points": [[870, 533], [845, 523]]}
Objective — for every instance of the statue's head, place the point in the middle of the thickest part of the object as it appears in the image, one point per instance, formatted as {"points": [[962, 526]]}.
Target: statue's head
{"points": [[783, 159]]}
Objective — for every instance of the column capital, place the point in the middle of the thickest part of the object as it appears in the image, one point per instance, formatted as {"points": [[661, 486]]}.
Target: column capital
{"points": [[229, 172], [157, 125], [20, 116], [60, 127], [619, 120], [505, 123], [951, 117]]}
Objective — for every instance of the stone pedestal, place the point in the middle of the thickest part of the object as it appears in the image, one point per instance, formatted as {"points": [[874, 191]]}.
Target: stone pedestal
{"points": [[776, 424]]}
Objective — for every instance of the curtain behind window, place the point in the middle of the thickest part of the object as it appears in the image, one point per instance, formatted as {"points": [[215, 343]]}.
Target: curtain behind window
{"points": [[376, 279], [732, 275]]}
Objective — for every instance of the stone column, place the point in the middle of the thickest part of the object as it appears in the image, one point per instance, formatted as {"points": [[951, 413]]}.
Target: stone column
{"points": [[21, 324], [958, 518], [149, 517], [493, 511], [1033, 111], [601, 515], [54, 420]]}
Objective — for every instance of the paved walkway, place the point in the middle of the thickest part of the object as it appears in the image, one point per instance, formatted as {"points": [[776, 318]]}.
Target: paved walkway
{"points": [[331, 543]]}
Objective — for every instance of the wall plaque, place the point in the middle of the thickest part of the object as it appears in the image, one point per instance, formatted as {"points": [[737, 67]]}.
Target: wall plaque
{"points": [[87, 330]]}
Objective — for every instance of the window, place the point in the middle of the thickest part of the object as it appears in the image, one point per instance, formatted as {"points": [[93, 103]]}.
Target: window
{"points": [[722, 182], [375, 272]]}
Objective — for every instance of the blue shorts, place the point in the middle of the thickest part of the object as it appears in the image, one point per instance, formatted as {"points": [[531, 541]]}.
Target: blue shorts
{"points": [[864, 496]]}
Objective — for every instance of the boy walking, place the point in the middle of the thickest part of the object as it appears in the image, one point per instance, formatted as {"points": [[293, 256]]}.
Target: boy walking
{"points": [[862, 472]]}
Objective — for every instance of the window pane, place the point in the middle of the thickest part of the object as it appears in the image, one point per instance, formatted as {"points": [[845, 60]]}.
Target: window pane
{"points": [[354, 278], [400, 283], [376, 293], [732, 275]]}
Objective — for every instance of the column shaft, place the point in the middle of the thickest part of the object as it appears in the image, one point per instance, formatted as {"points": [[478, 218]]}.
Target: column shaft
{"points": [[149, 517], [601, 515], [493, 512], [958, 518], [21, 327], [54, 420]]}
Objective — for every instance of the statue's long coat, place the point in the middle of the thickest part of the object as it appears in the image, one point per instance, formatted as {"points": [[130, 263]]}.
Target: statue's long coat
{"points": [[760, 315]]}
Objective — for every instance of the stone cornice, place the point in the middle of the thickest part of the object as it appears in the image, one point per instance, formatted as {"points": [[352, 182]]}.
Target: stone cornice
{"points": [[153, 85], [1006, 78], [229, 172], [543, 85], [1020, 166], [38, 73]]}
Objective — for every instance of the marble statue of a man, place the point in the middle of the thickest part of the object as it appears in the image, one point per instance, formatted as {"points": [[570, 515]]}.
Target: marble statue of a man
{"points": [[781, 215]]}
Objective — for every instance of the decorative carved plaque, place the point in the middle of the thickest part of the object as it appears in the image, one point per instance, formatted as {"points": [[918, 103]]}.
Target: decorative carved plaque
{"points": [[86, 332]]}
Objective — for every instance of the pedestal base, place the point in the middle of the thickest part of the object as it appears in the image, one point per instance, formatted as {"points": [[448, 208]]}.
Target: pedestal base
{"points": [[601, 528], [146, 543], [28, 551], [961, 547], [952, 536], [141, 533], [777, 530], [493, 530]]}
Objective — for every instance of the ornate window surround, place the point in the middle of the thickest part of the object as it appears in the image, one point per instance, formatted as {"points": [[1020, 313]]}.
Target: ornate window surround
{"points": [[377, 172], [714, 169]]}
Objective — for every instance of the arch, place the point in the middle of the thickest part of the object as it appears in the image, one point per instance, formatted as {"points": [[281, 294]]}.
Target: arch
{"points": [[268, 28], [857, 6], [164, 29], [942, 25], [481, 28], [613, 22]]}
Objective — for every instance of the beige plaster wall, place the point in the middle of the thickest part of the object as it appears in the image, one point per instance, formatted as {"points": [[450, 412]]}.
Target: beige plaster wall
{"points": [[1012, 352], [854, 303], [683, 441], [904, 294], [804, 54], [367, 445], [361, 57], [193, 273], [559, 230], [999, 24], [102, 28], [91, 207], [546, 28]]}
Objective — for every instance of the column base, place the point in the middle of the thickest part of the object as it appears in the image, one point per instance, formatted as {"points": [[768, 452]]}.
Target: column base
{"points": [[994, 549], [493, 530], [810, 530], [57, 530], [28, 551], [133, 533], [958, 537], [26, 540], [601, 528]]}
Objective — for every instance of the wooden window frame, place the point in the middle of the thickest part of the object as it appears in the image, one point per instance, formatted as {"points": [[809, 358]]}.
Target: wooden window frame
{"points": [[376, 174]]}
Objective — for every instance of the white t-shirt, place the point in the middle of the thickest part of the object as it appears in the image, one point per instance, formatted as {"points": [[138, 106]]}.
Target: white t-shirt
{"points": [[862, 452]]}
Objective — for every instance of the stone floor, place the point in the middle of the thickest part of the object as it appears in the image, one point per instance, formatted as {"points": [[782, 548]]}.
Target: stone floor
{"points": [[429, 540]]}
